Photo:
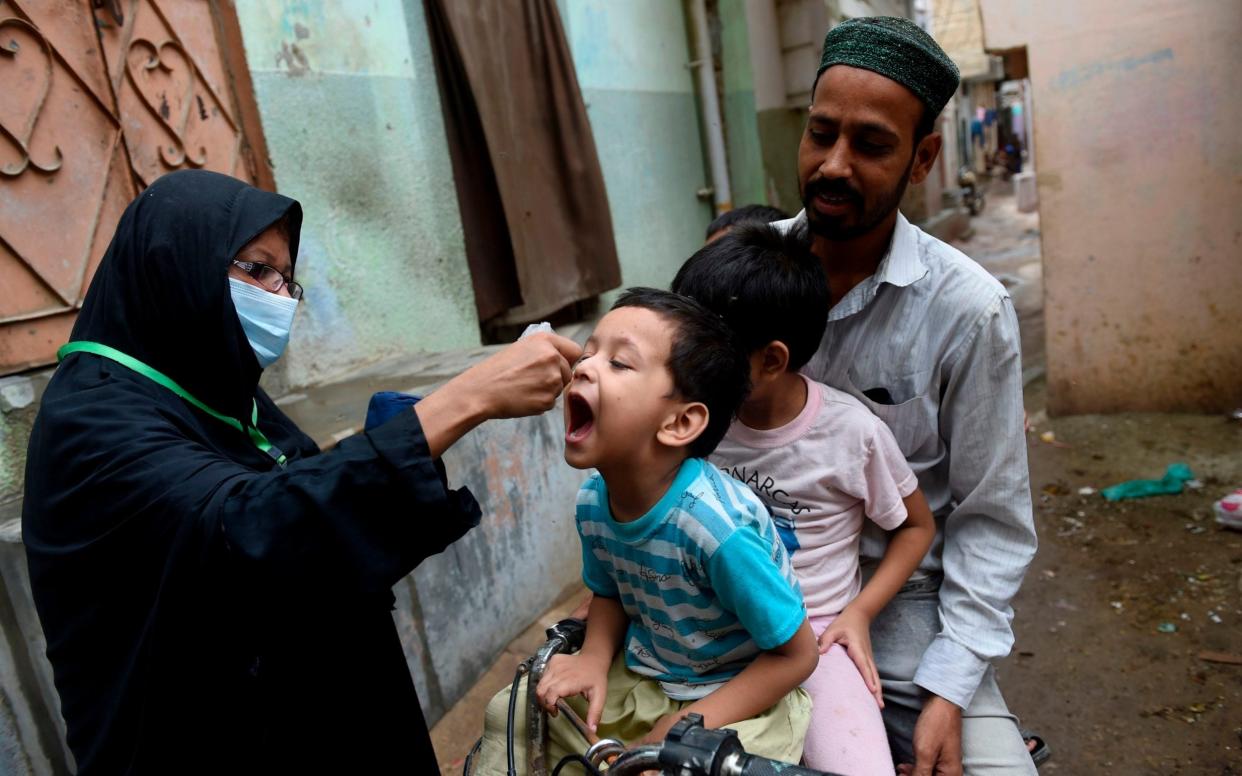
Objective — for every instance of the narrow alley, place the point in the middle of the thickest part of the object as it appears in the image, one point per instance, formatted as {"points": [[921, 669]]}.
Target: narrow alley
{"points": [[317, 403], [1128, 625]]}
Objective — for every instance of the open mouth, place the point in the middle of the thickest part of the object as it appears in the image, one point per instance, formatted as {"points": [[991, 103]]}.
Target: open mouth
{"points": [[834, 202], [581, 418]]}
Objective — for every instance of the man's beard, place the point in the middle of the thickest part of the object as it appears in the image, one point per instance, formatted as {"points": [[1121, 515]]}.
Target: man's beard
{"points": [[835, 227]]}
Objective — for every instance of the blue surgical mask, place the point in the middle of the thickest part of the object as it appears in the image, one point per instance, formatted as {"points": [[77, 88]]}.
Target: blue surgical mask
{"points": [[266, 318]]}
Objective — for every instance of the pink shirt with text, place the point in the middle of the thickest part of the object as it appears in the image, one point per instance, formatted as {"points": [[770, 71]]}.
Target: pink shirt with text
{"points": [[820, 475]]}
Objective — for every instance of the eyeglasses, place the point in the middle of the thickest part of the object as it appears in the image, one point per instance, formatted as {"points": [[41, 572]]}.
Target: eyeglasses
{"points": [[269, 277]]}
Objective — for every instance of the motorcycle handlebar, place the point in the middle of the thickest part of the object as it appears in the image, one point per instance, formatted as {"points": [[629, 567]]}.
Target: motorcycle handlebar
{"points": [[754, 765]]}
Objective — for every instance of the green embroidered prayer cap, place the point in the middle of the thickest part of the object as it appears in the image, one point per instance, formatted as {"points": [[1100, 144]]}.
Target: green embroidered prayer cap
{"points": [[895, 48]]}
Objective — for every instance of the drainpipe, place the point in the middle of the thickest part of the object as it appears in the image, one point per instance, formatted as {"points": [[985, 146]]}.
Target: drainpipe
{"points": [[709, 106]]}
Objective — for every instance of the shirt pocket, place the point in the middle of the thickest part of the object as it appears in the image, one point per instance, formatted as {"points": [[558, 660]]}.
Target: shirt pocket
{"points": [[905, 402]]}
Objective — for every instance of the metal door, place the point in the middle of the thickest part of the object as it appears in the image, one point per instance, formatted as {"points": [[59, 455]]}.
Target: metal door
{"points": [[95, 104]]}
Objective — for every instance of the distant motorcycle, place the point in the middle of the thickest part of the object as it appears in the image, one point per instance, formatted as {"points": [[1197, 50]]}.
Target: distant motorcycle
{"points": [[972, 194]]}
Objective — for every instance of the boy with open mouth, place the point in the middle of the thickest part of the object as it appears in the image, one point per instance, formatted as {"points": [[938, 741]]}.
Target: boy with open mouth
{"points": [[696, 608]]}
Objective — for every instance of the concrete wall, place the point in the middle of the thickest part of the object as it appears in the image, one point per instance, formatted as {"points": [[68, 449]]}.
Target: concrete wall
{"points": [[778, 123], [1136, 118], [19, 397], [958, 29], [631, 61], [786, 40], [350, 109], [31, 729]]}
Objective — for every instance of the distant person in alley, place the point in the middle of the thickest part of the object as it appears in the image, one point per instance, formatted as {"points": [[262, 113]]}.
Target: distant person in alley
{"points": [[215, 590], [928, 341]]}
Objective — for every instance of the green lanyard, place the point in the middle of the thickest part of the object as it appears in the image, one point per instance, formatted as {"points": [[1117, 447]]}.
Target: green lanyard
{"points": [[251, 429]]}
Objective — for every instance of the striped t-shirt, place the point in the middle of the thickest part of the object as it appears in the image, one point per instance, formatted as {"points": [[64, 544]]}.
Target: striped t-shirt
{"points": [[703, 576]]}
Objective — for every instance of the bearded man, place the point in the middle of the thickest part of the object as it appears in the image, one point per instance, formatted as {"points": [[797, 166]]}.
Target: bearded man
{"points": [[928, 340]]}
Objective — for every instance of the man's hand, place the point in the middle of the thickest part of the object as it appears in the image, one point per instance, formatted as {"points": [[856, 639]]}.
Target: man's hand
{"points": [[937, 741], [852, 630], [526, 377], [569, 675]]}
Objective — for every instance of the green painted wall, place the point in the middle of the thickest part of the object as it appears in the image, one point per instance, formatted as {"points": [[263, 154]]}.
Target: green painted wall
{"points": [[746, 172], [631, 62], [780, 130], [350, 109]]}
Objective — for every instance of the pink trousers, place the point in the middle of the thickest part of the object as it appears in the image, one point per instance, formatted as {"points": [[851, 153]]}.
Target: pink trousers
{"points": [[847, 732]]}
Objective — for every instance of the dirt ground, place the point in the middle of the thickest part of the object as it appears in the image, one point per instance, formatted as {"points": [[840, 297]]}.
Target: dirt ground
{"points": [[1093, 669], [1124, 598], [1125, 602]]}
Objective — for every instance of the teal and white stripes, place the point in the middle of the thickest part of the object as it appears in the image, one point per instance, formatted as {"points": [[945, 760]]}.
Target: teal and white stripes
{"points": [[703, 576]]}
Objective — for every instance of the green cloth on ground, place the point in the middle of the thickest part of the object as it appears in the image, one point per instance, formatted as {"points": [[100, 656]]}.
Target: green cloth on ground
{"points": [[897, 49], [1169, 485]]}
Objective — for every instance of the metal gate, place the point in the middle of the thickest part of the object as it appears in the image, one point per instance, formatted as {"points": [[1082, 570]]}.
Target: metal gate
{"points": [[98, 98]]}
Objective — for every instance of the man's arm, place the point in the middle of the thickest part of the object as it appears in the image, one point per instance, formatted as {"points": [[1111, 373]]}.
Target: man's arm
{"points": [[989, 537]]}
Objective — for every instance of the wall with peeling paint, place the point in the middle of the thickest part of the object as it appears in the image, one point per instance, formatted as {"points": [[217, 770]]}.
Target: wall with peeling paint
{"points": [[631, 64], [1136, 120], [18, 405], [351, 113], [32, 733]]}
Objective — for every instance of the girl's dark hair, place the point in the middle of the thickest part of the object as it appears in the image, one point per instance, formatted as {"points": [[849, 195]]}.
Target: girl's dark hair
{"points": [[766, 285], [704, 358]]}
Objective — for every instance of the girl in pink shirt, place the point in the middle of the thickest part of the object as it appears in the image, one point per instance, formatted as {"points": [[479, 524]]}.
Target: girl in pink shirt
{"points": [[822, 463]]}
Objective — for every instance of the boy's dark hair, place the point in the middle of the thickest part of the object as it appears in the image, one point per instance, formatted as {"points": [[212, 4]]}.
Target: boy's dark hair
{"points": [[746, 214], [704, 358], [766, 285]]}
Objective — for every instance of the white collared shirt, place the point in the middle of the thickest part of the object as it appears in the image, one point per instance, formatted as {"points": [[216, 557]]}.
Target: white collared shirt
{"points": [[930, 344]]}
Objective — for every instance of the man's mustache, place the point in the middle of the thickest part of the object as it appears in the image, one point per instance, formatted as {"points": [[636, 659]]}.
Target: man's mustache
{"points": [[833, 187]]}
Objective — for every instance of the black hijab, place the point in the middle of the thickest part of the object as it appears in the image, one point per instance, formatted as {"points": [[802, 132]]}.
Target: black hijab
{"points": [[161, 292], [206, 610]]}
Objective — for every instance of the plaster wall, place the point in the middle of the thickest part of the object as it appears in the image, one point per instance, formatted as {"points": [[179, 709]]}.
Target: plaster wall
{"points": [[1136, 118], [631, 63], [351, 113]]}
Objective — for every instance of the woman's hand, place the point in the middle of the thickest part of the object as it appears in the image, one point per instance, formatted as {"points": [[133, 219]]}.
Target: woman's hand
{"points": [[569, 675], [852, 630], [523, 379], [526, 377]]}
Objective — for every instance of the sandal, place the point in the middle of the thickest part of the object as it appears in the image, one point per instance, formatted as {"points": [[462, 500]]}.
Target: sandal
{"points": [[1041, 752]]}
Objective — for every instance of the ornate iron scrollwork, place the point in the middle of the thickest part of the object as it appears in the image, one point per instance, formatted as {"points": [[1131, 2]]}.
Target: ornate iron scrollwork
{"points": [[22, 140], [173, 156], [113, 7]]}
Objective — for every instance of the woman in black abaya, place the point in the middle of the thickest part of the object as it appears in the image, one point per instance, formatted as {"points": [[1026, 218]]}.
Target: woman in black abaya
{"points": [[215, 591]]}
